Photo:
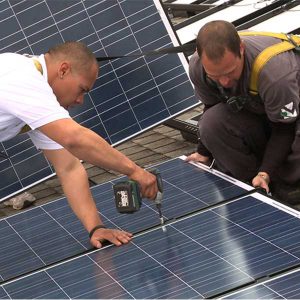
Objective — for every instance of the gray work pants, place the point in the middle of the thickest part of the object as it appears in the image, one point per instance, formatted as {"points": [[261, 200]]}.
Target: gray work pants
{"points": [[237, 142]]}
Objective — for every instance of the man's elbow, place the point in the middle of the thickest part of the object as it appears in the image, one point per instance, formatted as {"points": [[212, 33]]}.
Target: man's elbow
{"points": [[73, 140], [65, 132]]}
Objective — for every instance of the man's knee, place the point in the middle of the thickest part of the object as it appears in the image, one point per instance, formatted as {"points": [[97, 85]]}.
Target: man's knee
{"points": [[211, 122]]}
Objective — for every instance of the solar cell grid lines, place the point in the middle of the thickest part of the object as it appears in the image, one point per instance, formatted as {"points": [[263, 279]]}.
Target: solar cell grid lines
{"points": [[201, 256], [284, 287], [130, 95], [51, 232]]}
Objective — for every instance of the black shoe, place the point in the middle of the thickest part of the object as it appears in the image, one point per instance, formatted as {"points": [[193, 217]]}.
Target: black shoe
{"points": [[287, 193]]}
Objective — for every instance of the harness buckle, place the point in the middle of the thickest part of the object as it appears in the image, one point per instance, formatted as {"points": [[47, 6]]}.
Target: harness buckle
{"points": [[236, 103], [291, 40]]}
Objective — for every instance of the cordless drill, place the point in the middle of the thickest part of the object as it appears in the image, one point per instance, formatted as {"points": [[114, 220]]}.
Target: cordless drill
{"points": [[128, 197]]}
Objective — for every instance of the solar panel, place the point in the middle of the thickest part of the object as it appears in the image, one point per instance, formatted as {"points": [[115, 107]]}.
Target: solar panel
{"points": [[3, 294], [51, 232], [231, 13], [284, 22], [131, 94], [282, 287], [202, 256]]}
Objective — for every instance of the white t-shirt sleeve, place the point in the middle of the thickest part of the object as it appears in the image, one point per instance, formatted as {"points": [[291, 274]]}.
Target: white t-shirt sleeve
{"points": [[28, 97], [42, 142], [33, 101]]}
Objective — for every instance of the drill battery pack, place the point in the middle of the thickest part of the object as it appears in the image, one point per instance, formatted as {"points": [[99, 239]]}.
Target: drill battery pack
{"points": [[127, 196]]}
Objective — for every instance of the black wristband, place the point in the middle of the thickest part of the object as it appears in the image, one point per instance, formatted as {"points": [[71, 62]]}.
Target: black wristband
{"points": [[94, 229]]}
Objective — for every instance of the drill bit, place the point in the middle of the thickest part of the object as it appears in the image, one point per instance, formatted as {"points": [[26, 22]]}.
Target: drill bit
{"points": [[159, 197], [158, 206], [162, 222]]}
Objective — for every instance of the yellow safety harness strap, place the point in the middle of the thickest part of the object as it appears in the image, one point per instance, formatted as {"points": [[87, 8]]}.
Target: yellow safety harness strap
{"points": [[262, 59], [282, 36], [39, 67], [288, 42]]}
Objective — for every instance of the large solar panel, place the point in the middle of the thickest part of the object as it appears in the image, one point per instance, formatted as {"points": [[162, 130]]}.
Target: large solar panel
{"points": [[131, 94], [284, 22], [231, 13], [51, 232], [202, 256]]}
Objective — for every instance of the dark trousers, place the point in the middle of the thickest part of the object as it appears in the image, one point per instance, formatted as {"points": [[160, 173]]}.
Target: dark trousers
{"points": [[237, 142]]}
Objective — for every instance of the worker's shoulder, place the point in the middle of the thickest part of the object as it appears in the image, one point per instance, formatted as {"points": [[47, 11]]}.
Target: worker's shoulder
{"points": [[257, 43], [195, 67], [279, 68], [10, 58], [194, 59], [14, 64], [275, 65]]}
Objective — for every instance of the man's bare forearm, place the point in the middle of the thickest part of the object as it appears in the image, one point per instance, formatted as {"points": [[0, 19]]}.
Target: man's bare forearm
{"points": [[76, 188], [95, 150], [88, 146], [74, 181]]}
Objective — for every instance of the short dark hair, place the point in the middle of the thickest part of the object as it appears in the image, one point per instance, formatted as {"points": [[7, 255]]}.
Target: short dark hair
{"points": [[215, 37], [77, 52]]}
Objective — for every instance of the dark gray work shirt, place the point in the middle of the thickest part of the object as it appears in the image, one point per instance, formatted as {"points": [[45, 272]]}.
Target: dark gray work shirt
{"points": [[278, 82], [278, 88]]}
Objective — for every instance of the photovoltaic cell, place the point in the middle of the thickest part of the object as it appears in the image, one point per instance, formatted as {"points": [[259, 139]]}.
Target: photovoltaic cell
{"points": [[3, 294], [285, 287], [205, 255], [130, 95], [201, 256], [51, 232]]}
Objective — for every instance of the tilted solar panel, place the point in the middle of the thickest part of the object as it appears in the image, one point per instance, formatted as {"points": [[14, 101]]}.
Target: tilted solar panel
{"points": [[283, 22], [232, 13], [131, 94]]}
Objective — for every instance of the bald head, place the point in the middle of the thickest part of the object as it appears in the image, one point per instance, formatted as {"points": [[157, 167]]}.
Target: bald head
{"points": [[215, 37], [72, 70], [77, 53]]}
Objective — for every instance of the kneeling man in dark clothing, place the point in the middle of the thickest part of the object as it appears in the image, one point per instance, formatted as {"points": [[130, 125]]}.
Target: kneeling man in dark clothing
{"points": [[254, 138]]}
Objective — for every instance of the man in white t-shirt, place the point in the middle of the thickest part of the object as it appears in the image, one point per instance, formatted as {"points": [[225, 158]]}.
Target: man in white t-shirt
{"points": [[35, 93]]}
